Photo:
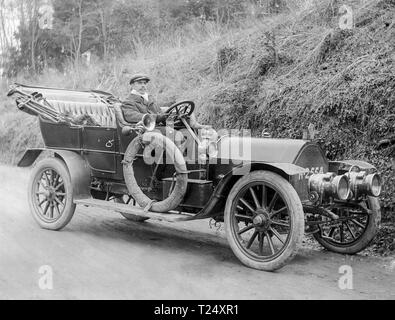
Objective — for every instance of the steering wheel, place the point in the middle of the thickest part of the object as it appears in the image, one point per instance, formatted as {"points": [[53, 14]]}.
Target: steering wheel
{"points": [[183, 108]]}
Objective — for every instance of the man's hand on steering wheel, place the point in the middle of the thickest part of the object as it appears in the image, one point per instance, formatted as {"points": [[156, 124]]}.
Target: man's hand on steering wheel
{"points": [[181, 109]]}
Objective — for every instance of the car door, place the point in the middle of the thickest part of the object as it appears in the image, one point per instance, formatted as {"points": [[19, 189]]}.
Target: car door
{"points": [[99, 146]]}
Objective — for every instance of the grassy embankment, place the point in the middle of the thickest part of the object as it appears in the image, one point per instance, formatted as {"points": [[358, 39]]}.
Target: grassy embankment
{"points": [[279, 73]]}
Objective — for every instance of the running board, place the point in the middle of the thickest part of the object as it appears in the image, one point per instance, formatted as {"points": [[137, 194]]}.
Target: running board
{"points": [[137, 211]]}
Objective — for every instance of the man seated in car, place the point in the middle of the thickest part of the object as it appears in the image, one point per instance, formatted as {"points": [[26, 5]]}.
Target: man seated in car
{"points": [[139, 102]]}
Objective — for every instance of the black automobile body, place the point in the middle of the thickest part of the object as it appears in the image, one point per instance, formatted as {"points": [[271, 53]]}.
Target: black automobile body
{"points": [[268, 192]]}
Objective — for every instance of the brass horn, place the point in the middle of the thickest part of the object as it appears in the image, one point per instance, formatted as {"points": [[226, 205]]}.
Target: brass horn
{"points": [[147, 123]]}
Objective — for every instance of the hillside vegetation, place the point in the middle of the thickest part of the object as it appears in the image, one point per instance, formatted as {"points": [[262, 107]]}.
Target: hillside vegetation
{"points": [[278, 72]]}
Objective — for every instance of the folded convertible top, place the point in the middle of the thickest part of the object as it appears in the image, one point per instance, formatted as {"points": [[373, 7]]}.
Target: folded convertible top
{"points": [[49, 93]]}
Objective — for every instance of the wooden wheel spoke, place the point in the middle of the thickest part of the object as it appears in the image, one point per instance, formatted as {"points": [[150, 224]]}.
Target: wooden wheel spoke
{"points": [[249, 244], [331, 232], [269, 239], [273, 202], [58, 186], [56, 180], [241, 216], [245, 229], [277, 235], [358, 223], [261, 239], [47, 179], [341, 233], [272, 214], [58, 201], [40, 204], [350, 230], [52, 177], [264, 196], [280, 223], [46, 208], [253, 194], [57, 210], [63, 194], [51, 210], [247, 205]]}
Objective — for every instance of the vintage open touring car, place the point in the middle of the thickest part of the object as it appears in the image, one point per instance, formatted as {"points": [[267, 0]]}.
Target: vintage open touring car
{"points": [[267, 195]]}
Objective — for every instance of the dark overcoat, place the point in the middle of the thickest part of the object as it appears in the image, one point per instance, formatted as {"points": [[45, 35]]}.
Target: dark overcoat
{"points": [[135, 106]]}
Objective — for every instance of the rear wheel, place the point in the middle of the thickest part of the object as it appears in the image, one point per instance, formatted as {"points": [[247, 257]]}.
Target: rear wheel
{"points": [[50, 194], [353, 231], [264, 220]]}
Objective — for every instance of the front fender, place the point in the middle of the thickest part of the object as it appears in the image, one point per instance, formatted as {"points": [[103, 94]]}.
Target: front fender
{"points": [[286, 170], [295, 174], [346, 165]]}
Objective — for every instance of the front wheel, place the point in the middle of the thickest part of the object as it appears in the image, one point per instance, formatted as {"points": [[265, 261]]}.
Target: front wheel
{"points": [[264, 220], [50, 194], [353, 231]]}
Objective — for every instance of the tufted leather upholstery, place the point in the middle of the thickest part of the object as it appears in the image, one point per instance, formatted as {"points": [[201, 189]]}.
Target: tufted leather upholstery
{"points": [[100, 112]]}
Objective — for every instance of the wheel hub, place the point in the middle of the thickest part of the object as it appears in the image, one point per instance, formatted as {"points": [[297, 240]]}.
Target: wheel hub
{"points": [[50, 193], [261, 221]]}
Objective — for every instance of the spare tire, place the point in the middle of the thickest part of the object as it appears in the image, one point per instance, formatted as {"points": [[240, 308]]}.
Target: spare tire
{"points": [[156, 141]]}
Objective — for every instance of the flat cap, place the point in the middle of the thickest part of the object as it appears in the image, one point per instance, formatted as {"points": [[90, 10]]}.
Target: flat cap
{"points": [[139, 76]]}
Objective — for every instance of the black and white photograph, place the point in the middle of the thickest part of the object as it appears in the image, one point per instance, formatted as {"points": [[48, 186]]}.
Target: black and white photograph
{"points": [[205, 152]]}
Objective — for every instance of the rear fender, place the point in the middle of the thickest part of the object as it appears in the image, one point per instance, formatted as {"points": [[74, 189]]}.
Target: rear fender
{"points": [[78, 168], [29, 157]]}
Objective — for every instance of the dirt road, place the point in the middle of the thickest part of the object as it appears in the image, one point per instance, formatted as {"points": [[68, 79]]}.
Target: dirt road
{"points": [[100, 255]]}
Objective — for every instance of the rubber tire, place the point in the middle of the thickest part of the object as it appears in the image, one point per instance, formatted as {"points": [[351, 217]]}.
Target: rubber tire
{"points": [[290, 196], [176, 196], [68, 212], [129, 216], [367, 237]]}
